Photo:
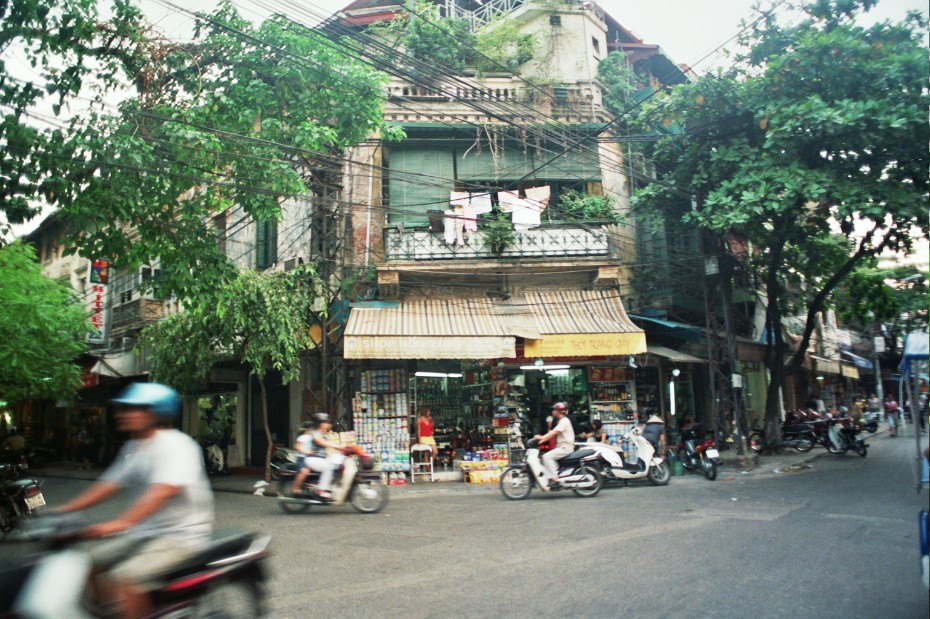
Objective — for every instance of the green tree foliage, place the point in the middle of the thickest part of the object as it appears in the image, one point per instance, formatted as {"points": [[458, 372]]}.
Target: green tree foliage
{"points": [[619, 83], [431, 37], [242, 115], [501, 46], [257, 318], [897, 296], [823, 122], [66, 45], [42, 329]]}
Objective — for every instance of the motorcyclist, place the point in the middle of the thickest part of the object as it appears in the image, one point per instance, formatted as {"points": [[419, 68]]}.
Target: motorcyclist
{"points": [[564, 441], [313, 444], [172, 517]]}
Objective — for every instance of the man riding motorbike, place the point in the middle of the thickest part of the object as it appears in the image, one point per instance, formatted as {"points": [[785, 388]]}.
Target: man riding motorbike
{"points": [[564, 441], [313, 444], [170, 520]]}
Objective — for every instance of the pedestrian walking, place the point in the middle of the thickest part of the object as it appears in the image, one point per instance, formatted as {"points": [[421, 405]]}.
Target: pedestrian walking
{"points": [[892, 415]]}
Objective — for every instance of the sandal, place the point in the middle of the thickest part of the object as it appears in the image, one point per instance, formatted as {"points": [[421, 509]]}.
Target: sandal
{"points": [[325, 495]]}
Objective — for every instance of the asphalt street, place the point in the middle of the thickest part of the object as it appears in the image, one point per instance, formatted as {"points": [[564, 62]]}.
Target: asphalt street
{"points": [[837, 538]]}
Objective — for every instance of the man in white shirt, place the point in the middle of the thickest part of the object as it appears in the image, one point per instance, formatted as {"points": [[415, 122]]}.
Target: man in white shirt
{"points": [[171, 518], [564, 441]]}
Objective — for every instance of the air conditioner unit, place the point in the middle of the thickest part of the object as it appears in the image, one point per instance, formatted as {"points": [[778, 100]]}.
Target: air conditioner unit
{"points": [[289, 263]]}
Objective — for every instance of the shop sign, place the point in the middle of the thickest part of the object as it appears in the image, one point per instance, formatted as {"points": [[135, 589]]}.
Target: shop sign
{"points": [[413, 347], [586, 344], [98, 278]]}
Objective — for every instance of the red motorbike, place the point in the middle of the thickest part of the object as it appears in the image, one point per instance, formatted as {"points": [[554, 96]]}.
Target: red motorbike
{"points": [[697, 452]]}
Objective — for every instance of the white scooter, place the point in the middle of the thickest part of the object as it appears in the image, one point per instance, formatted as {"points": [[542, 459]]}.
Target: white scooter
{"points": [[354, 482], [576, 472], [648, 465]]}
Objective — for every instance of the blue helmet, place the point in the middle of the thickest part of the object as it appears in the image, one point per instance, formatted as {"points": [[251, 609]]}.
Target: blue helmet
{"points": [[160, 399]]}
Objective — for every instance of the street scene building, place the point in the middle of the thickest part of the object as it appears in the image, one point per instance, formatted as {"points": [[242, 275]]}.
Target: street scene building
{"points": [[490, 263]]}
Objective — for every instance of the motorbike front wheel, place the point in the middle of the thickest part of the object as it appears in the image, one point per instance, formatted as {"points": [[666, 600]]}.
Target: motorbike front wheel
{"points": [[862, 450], [834, 449], [805, 442], [594, 475], [287, 503], [659, 474], [872, 427], [710, 469], [369, 496], [686, 462], [515, 483]]}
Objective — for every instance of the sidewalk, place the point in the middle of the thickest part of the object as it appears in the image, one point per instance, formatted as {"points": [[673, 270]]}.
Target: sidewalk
{"points": [[730, 470]]}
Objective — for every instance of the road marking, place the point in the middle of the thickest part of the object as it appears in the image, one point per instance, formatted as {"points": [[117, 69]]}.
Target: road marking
{"points": [[872, 519]]}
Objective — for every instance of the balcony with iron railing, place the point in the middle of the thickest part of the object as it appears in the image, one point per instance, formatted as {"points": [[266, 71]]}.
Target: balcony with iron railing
{"points": [[553, 240], [492, 99]]}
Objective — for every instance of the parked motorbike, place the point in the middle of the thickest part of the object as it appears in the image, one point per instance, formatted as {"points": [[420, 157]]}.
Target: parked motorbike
{"points": [[843, 435], [20, 496], [213, 458], [577, 472], [696, 452], [353, 482], [280, 459], [612, 467], [796, 432], [226, 579]]}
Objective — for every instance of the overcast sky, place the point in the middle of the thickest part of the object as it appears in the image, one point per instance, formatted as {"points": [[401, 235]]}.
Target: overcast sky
{"points": [[690, 31]]}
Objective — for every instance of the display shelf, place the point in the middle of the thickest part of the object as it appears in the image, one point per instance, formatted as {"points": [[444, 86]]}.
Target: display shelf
{"points": [[380, 417]]}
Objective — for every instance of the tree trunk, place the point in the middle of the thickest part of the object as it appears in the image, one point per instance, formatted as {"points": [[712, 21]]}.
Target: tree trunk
{"points": [[269, 447]]}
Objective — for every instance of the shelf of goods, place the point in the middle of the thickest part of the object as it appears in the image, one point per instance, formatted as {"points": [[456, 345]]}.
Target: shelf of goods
{"points": [[479, 467], [379, 416], [618, 425]]}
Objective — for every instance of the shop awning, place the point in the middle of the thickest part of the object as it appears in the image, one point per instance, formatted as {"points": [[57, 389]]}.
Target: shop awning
{"points": [[420, 328], [827, 366], [857, 360], [119, 365], [582, 323], [673, 355], [679, 330]]}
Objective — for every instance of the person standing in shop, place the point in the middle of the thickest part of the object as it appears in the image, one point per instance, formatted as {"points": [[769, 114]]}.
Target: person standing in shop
{"points": [[564, 441], [425, 430]]}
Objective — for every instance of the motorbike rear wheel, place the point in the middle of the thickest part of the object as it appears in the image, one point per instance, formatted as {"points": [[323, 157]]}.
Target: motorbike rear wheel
{"points": [[516, 483], [233, 598], [369, 496], [710, 469], [592, 473], [805, 442], [756, 441], [290, 506], [659, 474]]}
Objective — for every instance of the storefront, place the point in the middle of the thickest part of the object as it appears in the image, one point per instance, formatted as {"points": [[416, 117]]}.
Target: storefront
{"points": [[490, 370]]}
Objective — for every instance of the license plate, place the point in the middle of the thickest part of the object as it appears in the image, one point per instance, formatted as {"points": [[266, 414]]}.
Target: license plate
{"points": [[713, 453], [35, 502]]}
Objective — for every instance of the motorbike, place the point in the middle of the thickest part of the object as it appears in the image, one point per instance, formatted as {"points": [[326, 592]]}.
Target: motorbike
{"points": [[612, 467], [796, 432], [225, 579], [843, 435], [869, 422], [578, 472], [213, 458], [354, 482], [280, 459], [20, 496], [696, 452]]}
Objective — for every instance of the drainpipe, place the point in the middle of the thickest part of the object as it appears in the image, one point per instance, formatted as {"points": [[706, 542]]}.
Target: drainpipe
{"points": [[371, 191]]}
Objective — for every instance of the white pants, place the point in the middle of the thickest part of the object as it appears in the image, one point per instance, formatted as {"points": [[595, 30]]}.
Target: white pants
{"points": [[325, 467], [551, 457]]}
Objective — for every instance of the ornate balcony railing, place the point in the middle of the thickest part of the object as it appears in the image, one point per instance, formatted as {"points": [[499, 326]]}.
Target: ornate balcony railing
{"points": [[547, 241]]}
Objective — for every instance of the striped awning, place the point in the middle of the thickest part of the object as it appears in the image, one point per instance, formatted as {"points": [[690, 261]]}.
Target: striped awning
{"points": [[420, 328], [552, 323], [582, 322]]}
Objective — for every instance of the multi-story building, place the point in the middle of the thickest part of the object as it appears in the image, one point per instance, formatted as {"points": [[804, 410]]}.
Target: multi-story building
{"points": [[502, 278]]}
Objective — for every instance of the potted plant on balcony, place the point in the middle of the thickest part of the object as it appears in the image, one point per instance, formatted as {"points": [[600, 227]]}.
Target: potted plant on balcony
{"points": [[497, 231], [577, 206]]}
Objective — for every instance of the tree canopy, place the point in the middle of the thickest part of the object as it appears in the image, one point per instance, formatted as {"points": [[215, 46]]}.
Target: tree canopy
{"points": [[243, 115], [820, 127], [43, 328]]}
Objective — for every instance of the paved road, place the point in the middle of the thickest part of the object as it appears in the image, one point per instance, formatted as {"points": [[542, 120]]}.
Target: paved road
{"points": [[835, 540]]}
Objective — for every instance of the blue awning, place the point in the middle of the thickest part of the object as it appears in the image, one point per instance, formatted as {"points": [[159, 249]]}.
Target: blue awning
{"points": [[679, 330], [858, 361]]}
